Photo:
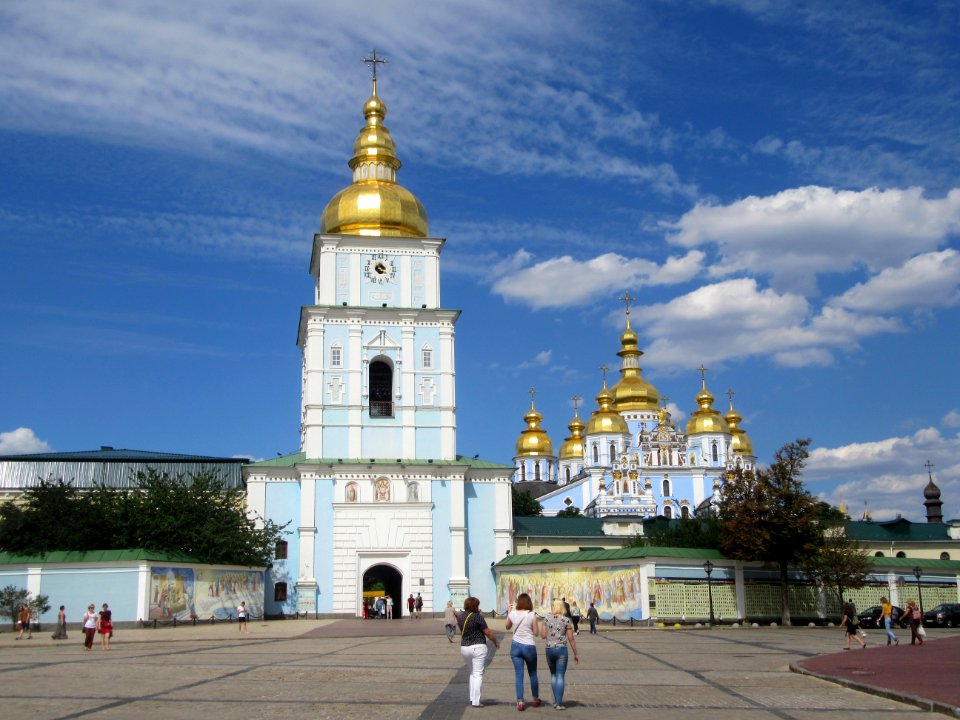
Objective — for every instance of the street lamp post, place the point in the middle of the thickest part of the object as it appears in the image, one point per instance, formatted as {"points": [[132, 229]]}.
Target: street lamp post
{"points": [[918, 571], [708, 569]]}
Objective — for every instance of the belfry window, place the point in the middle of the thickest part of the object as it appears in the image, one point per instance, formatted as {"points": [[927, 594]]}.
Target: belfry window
{"points": [[567, 474], [596, 453], [536, 471], [613, 453], [381, 389], [715, 453], [666, 488]]}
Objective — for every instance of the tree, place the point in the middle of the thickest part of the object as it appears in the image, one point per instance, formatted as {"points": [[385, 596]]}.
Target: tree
{"points": [[197, 516], [572, 511], [768, 515], [685, 532], [524, 504], [839, 564], [12, 597]]}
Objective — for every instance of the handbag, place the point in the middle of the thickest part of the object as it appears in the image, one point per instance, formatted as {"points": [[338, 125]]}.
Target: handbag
{"points": [[921, 632]]}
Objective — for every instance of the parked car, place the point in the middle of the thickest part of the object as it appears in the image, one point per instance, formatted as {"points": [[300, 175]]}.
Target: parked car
{"points": [[947, 614], [869, 617]]}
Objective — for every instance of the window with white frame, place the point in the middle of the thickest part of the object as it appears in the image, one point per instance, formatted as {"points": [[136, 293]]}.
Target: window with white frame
{"points": [[426, 357], [336, 356]]}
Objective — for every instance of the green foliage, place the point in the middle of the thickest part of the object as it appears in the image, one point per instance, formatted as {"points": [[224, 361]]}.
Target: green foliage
{"points": [[572, 511], [12, 597], [769, 515], [200, 517], [839, 564], [685, 532], [524, 504]]}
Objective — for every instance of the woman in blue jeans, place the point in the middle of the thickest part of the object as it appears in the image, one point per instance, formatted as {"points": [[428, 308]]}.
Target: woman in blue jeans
{"points": [[523, 649], [558, 631]]}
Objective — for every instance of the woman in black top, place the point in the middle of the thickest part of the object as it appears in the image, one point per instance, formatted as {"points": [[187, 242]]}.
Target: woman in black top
{"points": [[473, 645]]}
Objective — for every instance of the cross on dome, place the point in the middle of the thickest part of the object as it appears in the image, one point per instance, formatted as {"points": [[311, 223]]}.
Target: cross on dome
{"points": [[373, 61]]}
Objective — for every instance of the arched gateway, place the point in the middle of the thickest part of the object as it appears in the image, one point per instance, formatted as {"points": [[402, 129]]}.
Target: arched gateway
{"points": [[385, 580]]}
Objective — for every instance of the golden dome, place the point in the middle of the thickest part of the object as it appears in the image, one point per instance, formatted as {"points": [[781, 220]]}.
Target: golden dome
{"points": [[739, 441], [605, 419], [706, 419], [572, 448], [375, 204], [632, 392], [534, 439]]}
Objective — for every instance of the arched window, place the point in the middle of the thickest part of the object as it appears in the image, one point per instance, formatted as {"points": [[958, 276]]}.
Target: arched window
{"points": [[280, 592], [901, 553], [878, 554], [613, 453], [566, 472], [666, 488], [523, 471], [944, 556], [596, 453], [715, 453], [353, 493], [336, 355], [536, 470], [381, 389], [685, 512], [667, 512], [280, 552], [544, 551]]}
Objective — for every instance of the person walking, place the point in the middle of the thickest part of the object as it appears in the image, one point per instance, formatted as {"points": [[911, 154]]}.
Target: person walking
{"points": [[523, 649], [242, 617], [90, 620], [388, 606], [23, 621], [849, 623], [411, 604], [105, 626], [61, 633], [575, 616], [886, 612], [419, 606], [593, 616], [913, 616], [557, 630], [450, 620], [474, 634]]}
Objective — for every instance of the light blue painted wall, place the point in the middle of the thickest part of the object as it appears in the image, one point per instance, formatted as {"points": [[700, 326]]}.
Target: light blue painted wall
{"points": [[323, 548], [383, 442], [282, 506], [442, 561], [335, 438], [481, 512], [428, 442], [116, 586]]}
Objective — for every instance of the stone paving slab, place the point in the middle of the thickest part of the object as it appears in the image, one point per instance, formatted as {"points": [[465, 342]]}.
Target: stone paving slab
{"points": [[345, 670]]}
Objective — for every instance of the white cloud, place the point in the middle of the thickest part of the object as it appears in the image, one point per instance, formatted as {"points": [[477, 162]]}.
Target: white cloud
{"points": [[951, 419], [22, 441], [799, 233], [925, 281], [541, 359], [565, 281]]}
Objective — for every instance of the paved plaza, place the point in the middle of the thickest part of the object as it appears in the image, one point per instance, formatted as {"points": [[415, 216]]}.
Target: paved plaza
{"points": [[407, 669]]}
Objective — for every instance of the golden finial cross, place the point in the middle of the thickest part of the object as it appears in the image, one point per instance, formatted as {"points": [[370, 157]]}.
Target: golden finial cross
{"points": [[603, 369], [373, 61], [703, 374], [576, 403], [532, 393], [664, 398], [730, 393]]}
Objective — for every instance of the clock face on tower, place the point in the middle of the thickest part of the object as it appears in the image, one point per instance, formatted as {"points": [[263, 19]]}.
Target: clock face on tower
{"points": [[380, 269]]}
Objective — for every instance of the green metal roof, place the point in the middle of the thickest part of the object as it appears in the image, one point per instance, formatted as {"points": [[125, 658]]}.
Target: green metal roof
{"points": [[94, 556], [531, 526], [908, 563], [899, 530], [593, 556], [289, 461]]}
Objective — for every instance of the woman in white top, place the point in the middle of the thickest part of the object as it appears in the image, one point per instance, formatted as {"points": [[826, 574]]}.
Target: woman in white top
{"points": [[523, 649], [89, 627]]}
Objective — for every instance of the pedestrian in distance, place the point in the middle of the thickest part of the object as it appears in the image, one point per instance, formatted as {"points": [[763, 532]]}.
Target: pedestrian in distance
{"points": [[557, 630], [450, 620], [23, 622], [912, 615], [242, 617], [388, 606], [90, 620], [886, 612], [419, 606], [593, 616], [523, 650], [105, 626], [575, 617], [849, 623], [61, 632], [411, 604], [474, 634]]}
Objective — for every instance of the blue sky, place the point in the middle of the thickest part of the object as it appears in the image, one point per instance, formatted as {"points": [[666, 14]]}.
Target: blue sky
{"points": [[776, 182]]}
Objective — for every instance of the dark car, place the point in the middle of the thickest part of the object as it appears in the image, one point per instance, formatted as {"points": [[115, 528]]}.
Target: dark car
{"points": [[947, 615], [869, 617]]}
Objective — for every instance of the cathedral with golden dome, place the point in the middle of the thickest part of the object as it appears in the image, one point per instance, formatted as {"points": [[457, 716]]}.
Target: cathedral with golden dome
{"points": [[630, 461]]}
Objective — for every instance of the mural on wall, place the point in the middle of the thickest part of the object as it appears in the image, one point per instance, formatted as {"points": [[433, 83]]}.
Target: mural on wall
{"points": [[185, 593], [616, 591]]}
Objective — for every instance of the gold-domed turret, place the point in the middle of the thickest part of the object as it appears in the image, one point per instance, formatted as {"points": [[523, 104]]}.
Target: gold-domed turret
{"points": [[572, 448], [706, 419], [632, 392], [739, 441], [605, 419], [534, 439], [375, 204]]}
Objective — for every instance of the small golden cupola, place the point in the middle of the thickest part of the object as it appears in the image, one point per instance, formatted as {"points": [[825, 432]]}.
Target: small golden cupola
{"points": [[374, 204], [739, 441], [706, 419], [632, 391], [533, 440], [605, 419], [572, 448]]}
